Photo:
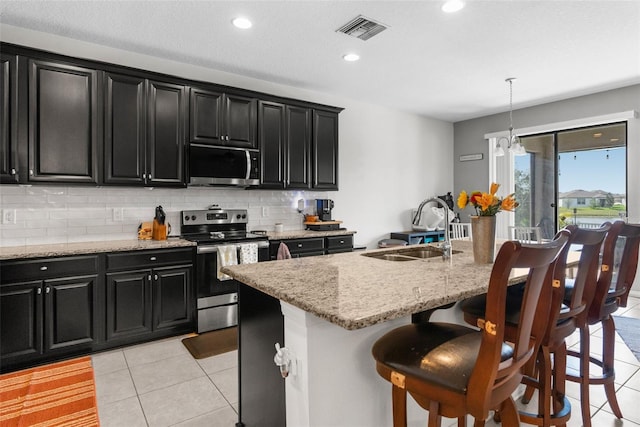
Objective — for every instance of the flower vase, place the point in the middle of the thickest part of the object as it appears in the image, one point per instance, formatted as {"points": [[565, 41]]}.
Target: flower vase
{"points": [[483, 231]]}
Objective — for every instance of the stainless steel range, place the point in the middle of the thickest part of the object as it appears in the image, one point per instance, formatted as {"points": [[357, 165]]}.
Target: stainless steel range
{"points": [[223, 239]]}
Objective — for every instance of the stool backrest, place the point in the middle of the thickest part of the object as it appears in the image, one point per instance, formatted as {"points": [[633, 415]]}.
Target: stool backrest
{"points": [[584, 284], [619, 262], [496, 376], [460, 231]]}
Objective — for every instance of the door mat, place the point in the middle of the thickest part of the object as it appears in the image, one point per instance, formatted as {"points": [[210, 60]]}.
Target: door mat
{"points": [[629, 330], [212, 343], [58, 394]]}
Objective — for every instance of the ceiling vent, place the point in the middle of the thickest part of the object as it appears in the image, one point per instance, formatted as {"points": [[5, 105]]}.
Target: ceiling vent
{"points": [[362, 28]]}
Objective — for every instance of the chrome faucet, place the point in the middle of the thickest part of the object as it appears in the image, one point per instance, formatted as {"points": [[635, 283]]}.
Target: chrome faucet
{"points": [[446, 245]]}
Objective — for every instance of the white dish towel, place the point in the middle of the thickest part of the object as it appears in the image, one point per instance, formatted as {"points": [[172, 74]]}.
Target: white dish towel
{"points": [[227, 255], [248, 253]]}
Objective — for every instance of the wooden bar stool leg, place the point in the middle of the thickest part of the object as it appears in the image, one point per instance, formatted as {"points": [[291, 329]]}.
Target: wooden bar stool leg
{"points": [[434, 414], [509, 414], [584, 376], [399, 400], [608, 356]]}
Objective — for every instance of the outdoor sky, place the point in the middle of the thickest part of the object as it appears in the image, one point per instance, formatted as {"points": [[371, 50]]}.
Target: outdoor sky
{"points": [[590, 170]]}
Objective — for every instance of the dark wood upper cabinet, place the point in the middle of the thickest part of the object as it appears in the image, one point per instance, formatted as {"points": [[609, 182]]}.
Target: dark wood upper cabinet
{"points": [[64, 123], [298, 147], [218, 118], [144, 131], [125, 130], [325, 150], [8, 119], [166, 133], [271, 117]]}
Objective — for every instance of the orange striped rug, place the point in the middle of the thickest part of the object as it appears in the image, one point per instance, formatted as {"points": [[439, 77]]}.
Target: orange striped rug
{"points": [[59, 394]]}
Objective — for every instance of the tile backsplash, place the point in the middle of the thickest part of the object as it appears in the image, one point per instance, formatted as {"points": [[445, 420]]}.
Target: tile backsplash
{"points": [[43, 214]]}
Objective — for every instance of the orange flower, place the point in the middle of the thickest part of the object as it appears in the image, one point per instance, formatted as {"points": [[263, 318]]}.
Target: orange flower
{"points": [[485, 201], [509, 203], [463, 200], [487, 204]]}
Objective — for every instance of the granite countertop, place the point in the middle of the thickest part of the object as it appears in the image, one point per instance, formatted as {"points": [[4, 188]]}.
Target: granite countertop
{"points": [[355, 291], [81, 248], [303, 234]]}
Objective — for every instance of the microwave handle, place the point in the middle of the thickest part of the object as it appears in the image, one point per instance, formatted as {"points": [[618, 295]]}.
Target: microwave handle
{"points": [[248, 164]]}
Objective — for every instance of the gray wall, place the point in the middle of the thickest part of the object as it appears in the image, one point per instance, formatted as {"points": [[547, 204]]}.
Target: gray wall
{"points": [[469, 135]]}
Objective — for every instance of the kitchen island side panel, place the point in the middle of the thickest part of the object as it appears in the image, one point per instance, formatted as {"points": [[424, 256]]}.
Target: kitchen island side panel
{"points": [[261, 387]]}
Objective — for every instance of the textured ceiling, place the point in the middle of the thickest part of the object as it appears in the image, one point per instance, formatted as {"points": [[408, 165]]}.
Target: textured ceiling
{"points": [[446, 66]]}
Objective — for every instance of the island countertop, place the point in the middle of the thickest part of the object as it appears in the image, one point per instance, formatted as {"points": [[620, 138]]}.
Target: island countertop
{"points": [[355, 291]]}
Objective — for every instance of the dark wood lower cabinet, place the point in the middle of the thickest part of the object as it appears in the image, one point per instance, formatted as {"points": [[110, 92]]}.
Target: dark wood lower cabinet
{"points": [[45, 319], [54, 308]]}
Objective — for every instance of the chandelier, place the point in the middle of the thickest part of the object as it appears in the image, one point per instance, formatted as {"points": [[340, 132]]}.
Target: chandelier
{"points": [[513, 142]]}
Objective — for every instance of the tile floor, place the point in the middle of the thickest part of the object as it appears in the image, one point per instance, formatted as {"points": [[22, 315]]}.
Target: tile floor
{"points": [[161, 384]]}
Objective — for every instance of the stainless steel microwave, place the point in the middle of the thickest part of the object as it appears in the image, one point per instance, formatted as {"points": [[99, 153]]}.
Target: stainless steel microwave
{"points": [[228, 166]]}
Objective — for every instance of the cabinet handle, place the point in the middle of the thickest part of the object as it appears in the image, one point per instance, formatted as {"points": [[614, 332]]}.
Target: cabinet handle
{"points": [[144, 176], [13, 172], [299, 245], [44, 268], [342, 242], [149, 277], [39, 291], [152, 258], [31, 172], [155, 277], [47, 289]]}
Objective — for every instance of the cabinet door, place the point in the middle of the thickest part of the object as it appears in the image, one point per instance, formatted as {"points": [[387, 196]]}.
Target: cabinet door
{"points": [[298, 125], [8, 120], [128, 303], [70, 312], [325, 150], [240, 121], [205, 116], [271, 117], [63, 123], [124, 134], [20, 320], [172, 304], [166, 134]]}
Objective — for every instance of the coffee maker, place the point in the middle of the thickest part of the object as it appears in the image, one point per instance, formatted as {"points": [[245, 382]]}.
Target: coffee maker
{"points": [[323, 209]]}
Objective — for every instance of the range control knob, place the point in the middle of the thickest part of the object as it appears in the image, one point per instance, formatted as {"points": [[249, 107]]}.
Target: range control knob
{"points": [[186, 217], [244, 216], [193, 217], [238, 216]]}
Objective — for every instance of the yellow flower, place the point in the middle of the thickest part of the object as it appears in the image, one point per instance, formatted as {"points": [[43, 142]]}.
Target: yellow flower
{"points": [[494, 188], [463, 200]]}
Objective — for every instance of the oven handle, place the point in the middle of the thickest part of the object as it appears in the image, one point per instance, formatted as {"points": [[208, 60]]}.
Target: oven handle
{"points": [[209, 249]]}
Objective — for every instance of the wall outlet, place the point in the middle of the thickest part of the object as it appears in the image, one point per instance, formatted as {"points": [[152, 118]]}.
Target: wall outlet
{"points": [[8, 216], [118, 214], [265, 211]]}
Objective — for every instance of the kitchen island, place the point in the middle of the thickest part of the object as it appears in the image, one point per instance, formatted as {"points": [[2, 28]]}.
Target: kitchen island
{"points": [[335, 307]]}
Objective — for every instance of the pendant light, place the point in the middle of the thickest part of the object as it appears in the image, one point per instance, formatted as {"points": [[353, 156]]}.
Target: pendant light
{"points": [[513, 142]]}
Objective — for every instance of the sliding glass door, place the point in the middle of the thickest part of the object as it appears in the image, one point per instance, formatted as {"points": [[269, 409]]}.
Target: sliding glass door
{"points": [[573, 176]]}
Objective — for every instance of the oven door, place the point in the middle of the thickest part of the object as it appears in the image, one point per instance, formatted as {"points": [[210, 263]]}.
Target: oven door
{"points": [[217, 299]]}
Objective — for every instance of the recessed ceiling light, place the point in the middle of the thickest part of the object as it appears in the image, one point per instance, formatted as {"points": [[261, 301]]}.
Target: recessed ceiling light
{"points": [[614, 139], [597, 135], [351, 57], [451, 6], [242, 23]]}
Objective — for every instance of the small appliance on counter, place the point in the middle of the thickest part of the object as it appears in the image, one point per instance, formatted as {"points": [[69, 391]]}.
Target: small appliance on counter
{"points": [[323, 209], [322, 221]]}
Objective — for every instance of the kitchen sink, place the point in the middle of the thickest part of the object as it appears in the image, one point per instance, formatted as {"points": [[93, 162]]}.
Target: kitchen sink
{"points": [[409, 254]]}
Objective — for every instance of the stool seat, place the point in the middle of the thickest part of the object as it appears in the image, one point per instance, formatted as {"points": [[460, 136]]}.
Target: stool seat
{"points": [[440, 353]]}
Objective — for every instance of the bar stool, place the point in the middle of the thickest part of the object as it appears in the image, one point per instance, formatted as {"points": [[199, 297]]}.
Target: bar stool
{"points": [[606, 296], [452, 370], [546, 372]]}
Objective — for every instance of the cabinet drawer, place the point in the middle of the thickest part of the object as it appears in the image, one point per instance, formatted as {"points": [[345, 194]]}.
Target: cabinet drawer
{"points": [[138, 259], [304, 245], [340, 242], [13, 271]]}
